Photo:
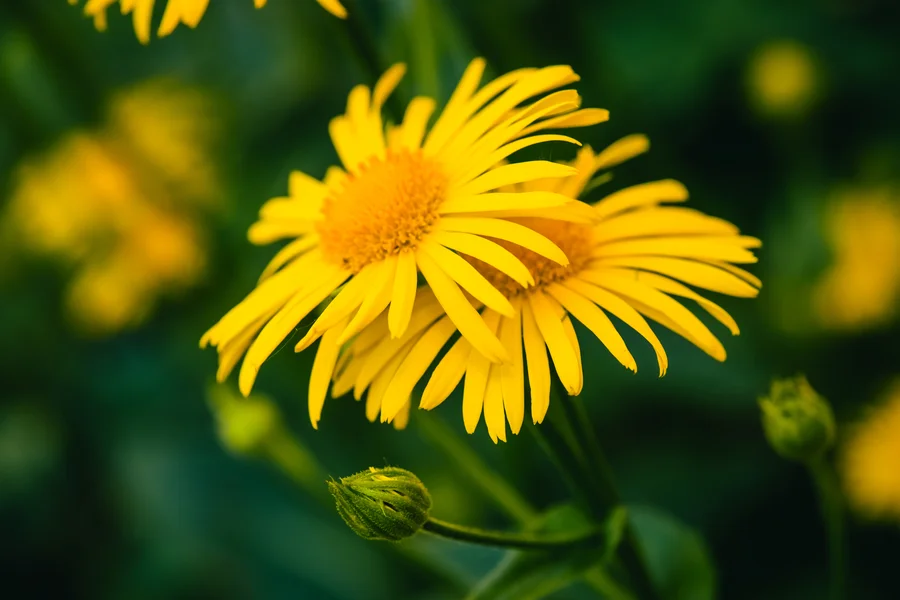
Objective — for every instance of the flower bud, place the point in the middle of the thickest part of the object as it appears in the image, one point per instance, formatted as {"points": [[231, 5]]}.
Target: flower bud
{"points": [[244, 424], [382, 504], [797, 421]]}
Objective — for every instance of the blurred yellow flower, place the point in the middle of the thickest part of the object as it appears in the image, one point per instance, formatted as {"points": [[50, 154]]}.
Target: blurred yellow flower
{"points": [[782, 78], [411, 197], [631, 264], [188, 12], [870, 459], [120, 205], [861, 288]]}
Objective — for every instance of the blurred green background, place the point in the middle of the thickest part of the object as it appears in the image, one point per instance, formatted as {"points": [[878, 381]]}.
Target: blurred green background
{"points": [[112, 481]]}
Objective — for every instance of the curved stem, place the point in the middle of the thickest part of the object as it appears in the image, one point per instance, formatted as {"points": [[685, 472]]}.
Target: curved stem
{"points": [[473, 466], [501, 539], [833, 515], [589, 471]]}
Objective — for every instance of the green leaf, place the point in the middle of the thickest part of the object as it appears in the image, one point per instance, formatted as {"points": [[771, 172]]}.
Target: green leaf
{"points": [[677, 556], [532, 575]]}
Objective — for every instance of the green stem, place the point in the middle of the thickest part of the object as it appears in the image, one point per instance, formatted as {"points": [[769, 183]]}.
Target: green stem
{"points": [[602, 582], [469, 464], [500, 539], [496, 488], [557, 445], [286, 453], [588, 468], [833, 514], [423, 42]]}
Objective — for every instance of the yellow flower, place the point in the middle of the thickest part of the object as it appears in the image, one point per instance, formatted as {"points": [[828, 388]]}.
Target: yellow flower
{"points": [[176, 12], [119, 205], [870, 457], [782, 78], [409, 199], [631, 264], [861, 288]]}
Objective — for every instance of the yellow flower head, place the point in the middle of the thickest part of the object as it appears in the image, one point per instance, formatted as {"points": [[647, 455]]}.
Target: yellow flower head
{"points": [[861, 288], [782, 78], [632, 263], [118, 205], [870, 460], [408, 199], [176, 12]]}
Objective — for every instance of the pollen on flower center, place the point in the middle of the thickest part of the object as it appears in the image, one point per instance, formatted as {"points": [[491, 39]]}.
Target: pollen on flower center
{"points": [[386, 208], [574, 239]]}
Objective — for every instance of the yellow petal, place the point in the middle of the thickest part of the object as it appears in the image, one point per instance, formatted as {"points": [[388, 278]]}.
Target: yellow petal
{"points": [[476, 165], [339, 309], [573, 341], [669, 286], [528, 86], [474, 161], [454, 113], [446, 375], [662, 308], [701, 248], [493, 406], [561, 351], [266, 232], [332, 6], [506, 230], [538, 366], [661, 221], [270, 294], [305, 188], [414, 366], [623, 310], [596, 321], [460, 311], [382, 381], [386, 85], [402, 419], [512, 374], [415, 121], [513, 173], [385, 349], [375, 301], [231, 352], [653, 192], [486, 251], [404, 293], [699, 274], [467, 277], [320, 376], [621, 150], [737, 272], [289, 253], [580, 118], [500, 201], [283, 323], [477, 370], [344, 140], [343, 383]]}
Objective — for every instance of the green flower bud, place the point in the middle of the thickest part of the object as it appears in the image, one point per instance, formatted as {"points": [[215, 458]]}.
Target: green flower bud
{"points": [[244, 424], [382, 504], [797, 421]]}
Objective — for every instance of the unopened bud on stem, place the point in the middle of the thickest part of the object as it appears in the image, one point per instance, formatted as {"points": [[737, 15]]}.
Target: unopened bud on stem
{"points": [[798, 423], [244, 425], [382, 504]]}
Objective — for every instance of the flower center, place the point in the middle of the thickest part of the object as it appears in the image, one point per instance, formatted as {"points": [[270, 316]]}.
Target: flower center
{"points": [[574, 239], [388, 207]]}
